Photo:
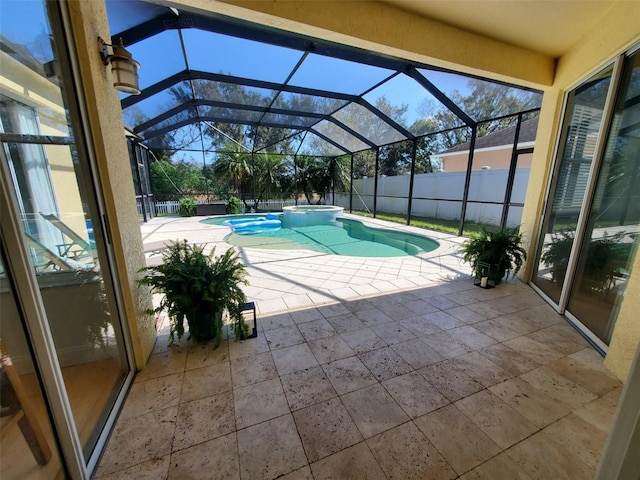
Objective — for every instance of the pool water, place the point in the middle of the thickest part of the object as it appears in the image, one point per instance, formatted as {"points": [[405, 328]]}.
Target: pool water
{"points": [[341, 237]]}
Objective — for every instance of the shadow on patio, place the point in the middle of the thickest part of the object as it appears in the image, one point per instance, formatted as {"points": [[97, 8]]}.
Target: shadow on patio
{"points": [[435, 382]]}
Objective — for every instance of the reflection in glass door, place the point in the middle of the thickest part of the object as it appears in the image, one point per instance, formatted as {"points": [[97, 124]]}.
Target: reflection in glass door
{"points": [[612, 230], [28, 447], [46, 165], [592, 225], [583, 120]]}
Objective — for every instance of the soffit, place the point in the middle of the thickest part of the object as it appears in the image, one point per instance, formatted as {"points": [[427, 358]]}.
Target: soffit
{"points": [[543, 26]]}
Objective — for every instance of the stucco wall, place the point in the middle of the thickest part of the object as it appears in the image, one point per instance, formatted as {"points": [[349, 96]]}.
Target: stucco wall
{"points": [[494, 158], [89, 21], [626, 334]]}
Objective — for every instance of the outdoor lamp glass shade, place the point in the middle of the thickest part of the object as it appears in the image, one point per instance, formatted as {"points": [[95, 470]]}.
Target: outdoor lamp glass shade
{"points": [[125, 70]]}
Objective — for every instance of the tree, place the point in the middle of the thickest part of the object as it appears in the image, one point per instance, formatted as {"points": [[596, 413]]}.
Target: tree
{"points": [[314, 177], [173, 180], [164, 181], [270, 172], [484, 102], [233, 165], [364, 164], [395, 159]]}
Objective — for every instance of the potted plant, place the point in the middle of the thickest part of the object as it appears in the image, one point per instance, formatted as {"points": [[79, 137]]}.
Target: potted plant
{"points": [[198, 288], [500, 249]]}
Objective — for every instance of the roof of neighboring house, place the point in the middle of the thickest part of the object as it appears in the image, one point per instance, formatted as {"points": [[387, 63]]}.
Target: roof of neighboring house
{"points": [[502, 137]]}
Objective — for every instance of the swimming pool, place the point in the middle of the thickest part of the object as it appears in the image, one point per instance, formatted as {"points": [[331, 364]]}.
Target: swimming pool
{"points": [[340, 237]]}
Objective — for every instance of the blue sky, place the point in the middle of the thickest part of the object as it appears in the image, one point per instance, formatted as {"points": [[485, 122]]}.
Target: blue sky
{"points": [[24, 22], [161, 56]]}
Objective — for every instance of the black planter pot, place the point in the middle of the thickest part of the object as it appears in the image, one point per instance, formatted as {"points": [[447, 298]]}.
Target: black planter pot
{"points": [[203, 326]]}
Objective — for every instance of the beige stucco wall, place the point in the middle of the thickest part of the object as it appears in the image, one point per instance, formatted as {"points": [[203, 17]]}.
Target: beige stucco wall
{"points": [[546, 139], [89, 21], [494, 158], [626, 334]]}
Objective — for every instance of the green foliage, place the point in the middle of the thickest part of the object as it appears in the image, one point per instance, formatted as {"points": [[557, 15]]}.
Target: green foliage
{"points": [[314, 176], [187, 207], [233, 165], [484, 101], [234, 205], [197, 288], [170, 181], [501, 248], [271, 174]]}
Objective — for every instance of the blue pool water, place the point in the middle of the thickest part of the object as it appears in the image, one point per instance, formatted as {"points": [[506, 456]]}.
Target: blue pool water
{"points": [[341, 237]]}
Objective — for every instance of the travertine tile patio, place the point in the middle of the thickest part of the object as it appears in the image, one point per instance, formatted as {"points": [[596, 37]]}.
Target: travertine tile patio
{"points": [[439, 380]]}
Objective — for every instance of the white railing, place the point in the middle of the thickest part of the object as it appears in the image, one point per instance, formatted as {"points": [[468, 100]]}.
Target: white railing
{"points": [[172, 207], [167, 208]]}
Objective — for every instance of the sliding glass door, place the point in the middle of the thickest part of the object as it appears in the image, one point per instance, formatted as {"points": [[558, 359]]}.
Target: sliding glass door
{"points": [[55, 238], [612, 228], [592, 224], [28, 445]]}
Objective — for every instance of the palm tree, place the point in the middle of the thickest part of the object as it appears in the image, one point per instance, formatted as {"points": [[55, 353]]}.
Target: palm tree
{"points": [[314, 175], [270, 173], [234, 165]]}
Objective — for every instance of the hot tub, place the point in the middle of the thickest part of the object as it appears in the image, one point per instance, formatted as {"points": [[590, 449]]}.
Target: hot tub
{"points": [[302, 215]]}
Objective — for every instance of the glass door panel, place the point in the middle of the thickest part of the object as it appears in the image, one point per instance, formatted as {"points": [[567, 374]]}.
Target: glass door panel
{"points": [[583, 119], [611, 237], [61, 224], [28, 447], [79, 305]]}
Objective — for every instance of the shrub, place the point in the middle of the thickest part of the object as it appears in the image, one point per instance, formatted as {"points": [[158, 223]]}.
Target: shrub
{"points": [[234, 205], [187, 207]]}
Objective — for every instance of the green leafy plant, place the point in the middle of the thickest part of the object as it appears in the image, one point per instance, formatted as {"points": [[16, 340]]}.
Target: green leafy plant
{"points": [[198, 288], [234, 205], [187, 207], [500, 248]]}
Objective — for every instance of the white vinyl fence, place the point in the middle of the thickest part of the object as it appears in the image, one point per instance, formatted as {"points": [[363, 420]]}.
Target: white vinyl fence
{"points": [[435, 195], [439, 195]]}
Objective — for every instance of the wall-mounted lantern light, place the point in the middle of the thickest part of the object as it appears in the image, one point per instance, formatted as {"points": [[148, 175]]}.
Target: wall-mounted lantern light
{"points": [[123, 67]]}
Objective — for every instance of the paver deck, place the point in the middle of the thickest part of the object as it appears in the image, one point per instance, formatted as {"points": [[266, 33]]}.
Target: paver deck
{"points": [[368, 368]]}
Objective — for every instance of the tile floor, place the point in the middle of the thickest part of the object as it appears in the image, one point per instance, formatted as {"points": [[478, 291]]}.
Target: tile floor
{"points": [[413, 373]]}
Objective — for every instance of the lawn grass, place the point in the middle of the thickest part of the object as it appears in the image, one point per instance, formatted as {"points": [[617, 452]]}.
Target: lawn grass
{"points": [[428, 223]]}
